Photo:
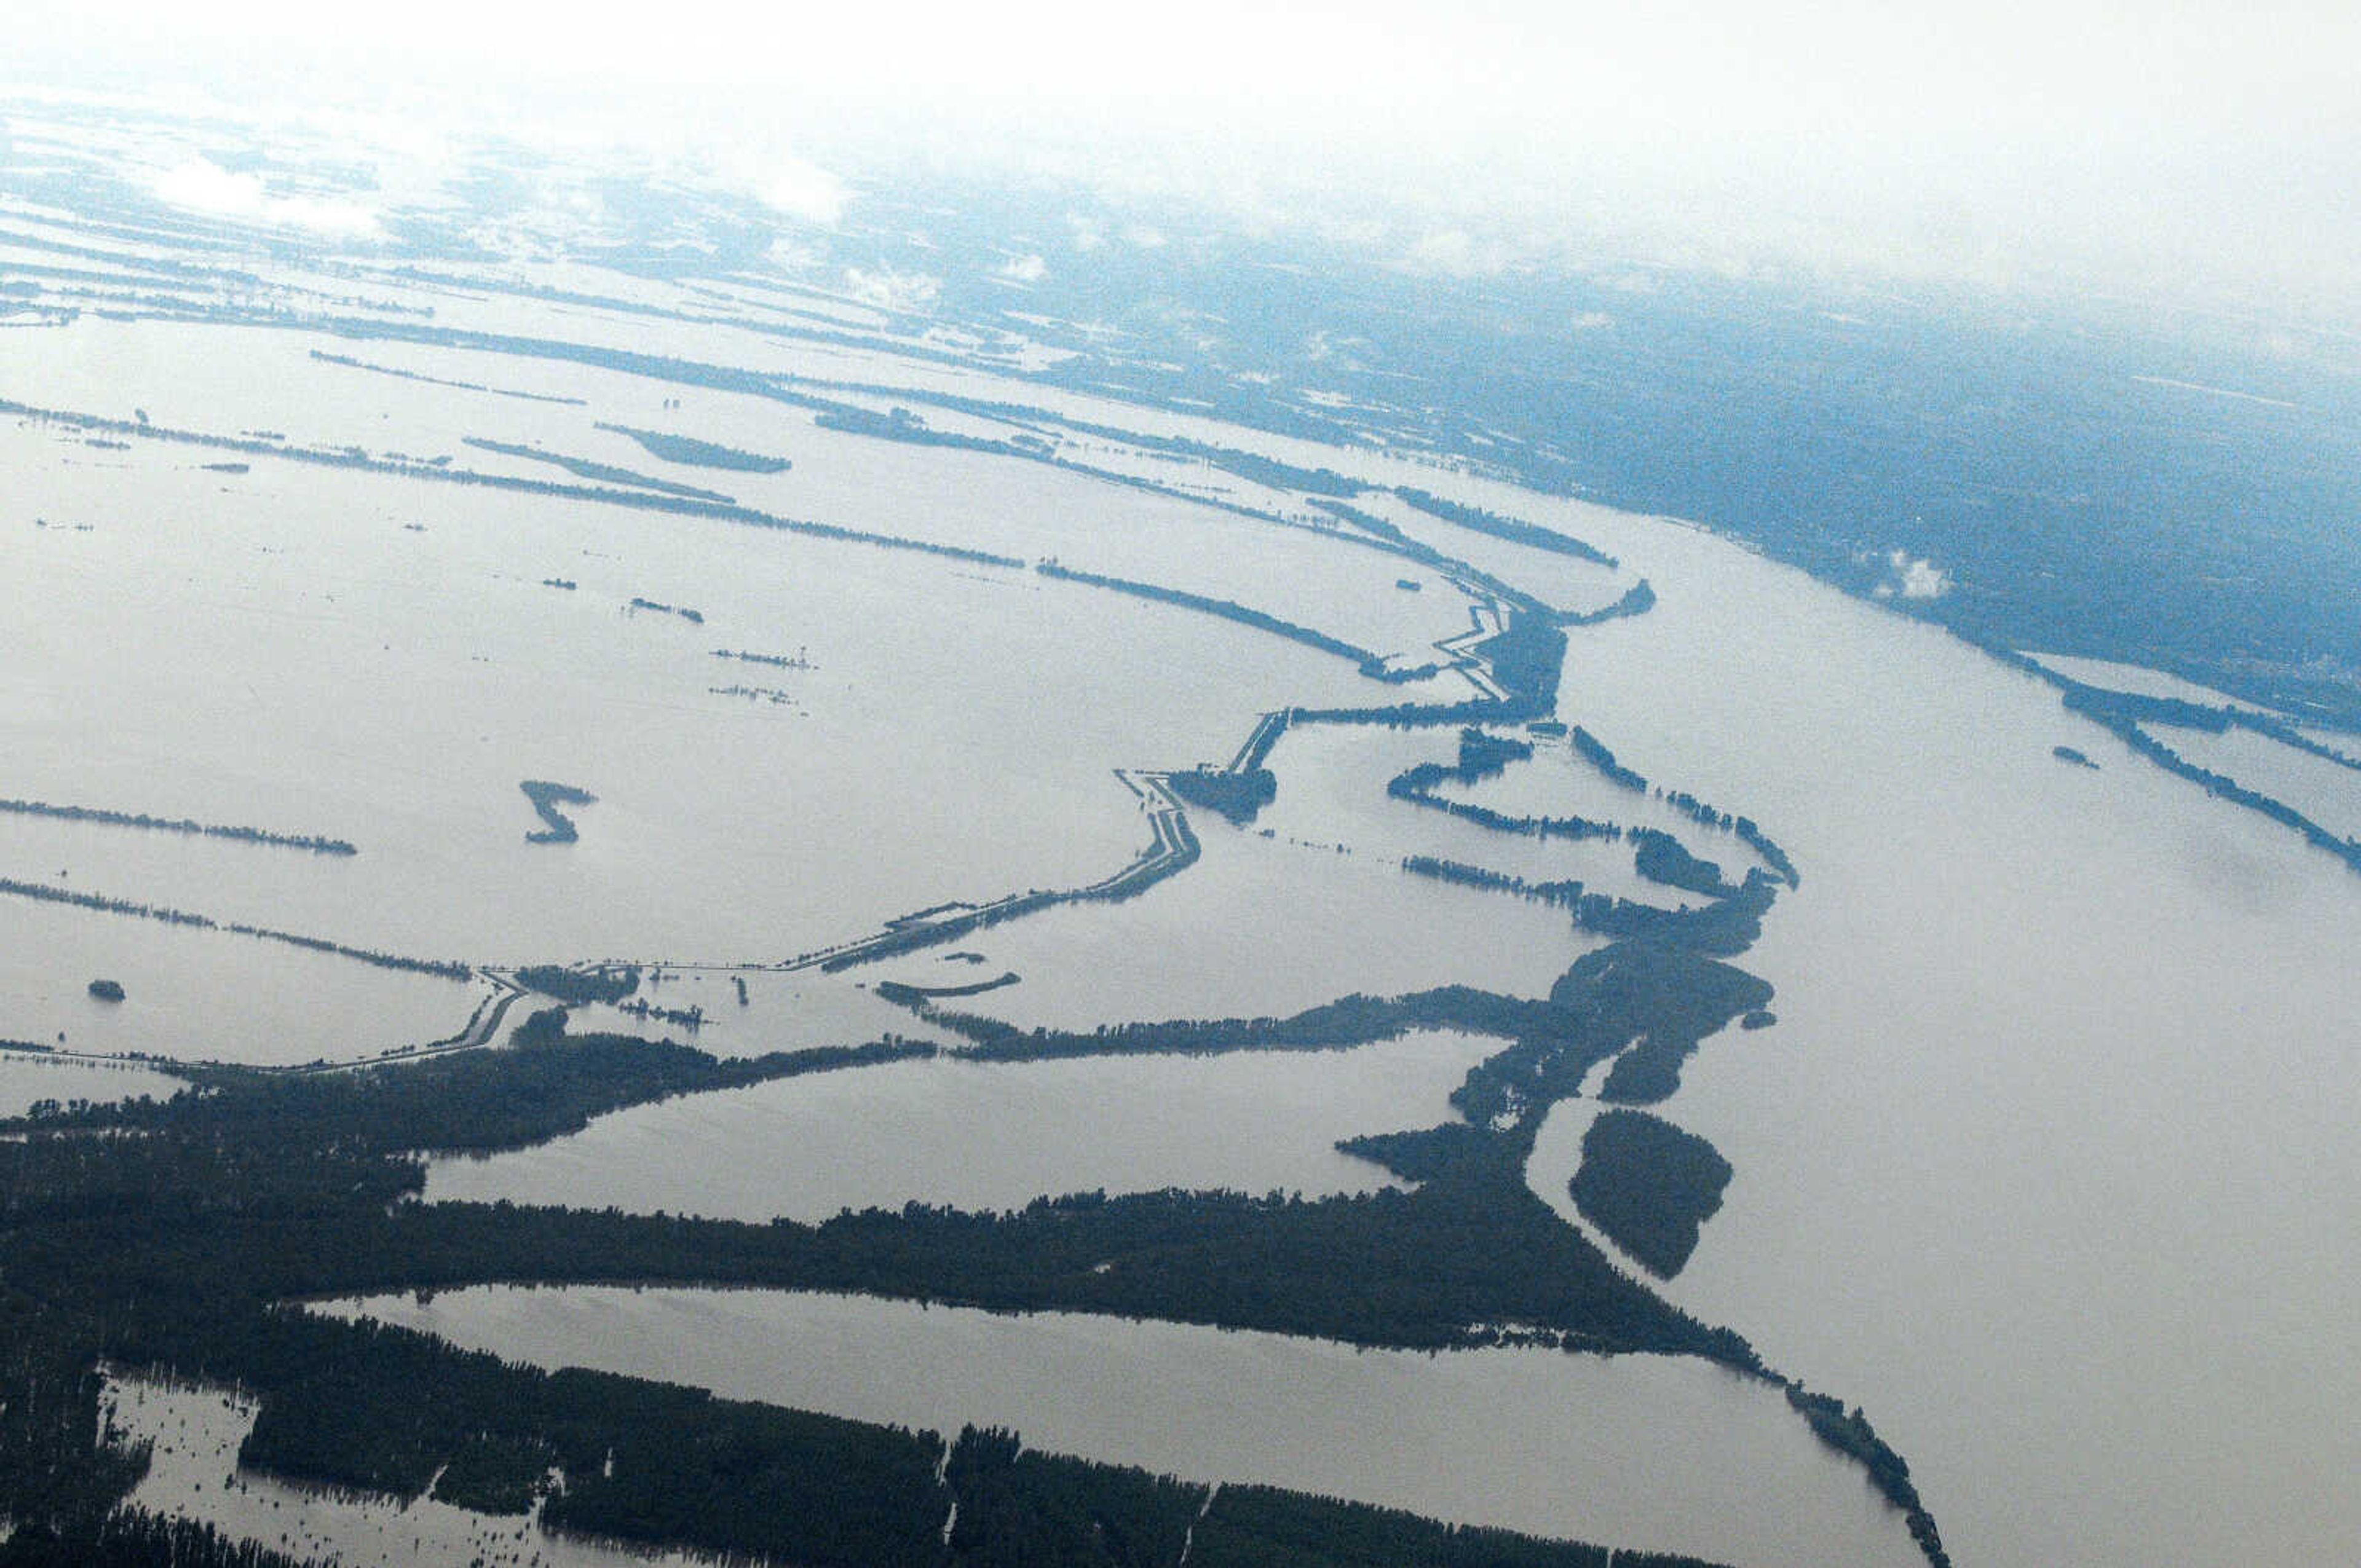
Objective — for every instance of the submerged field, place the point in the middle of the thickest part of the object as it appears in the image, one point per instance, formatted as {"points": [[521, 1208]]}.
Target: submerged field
{"points": [[1019, 845]]}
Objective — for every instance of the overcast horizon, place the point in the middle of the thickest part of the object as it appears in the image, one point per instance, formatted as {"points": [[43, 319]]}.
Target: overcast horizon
{"points": [[2188, 155]]}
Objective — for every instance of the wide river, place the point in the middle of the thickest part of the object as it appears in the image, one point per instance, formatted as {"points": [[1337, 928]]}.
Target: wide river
{"points": [[2052, 1160]]}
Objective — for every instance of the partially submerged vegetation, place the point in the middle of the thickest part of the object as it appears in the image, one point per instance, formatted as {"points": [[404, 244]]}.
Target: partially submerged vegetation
{"points": [[546, 797], [690, 452], [104, 817], [1649, 1186]]}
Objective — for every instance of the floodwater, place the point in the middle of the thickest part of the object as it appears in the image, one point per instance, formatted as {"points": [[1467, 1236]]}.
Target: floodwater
{"points": [[2327, 792], [2054, 1158], [1667, 1453], [1331, 790], [990, 1136], [2138, 680], [199, 995], [2052, 1163], [28, 1077], [192, 1474], [1266, 927]]}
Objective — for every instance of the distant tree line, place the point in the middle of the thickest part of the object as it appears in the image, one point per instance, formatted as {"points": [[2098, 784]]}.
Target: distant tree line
{"points": [[598, 473], [318, 846], [1370, 665], [692, 452], [1515, 529], [696, 616], [45, 892], [326, 358], [1592, 750]]}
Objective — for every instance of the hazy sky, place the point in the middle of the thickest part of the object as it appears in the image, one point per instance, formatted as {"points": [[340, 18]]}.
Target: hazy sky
{"points": [[2196, 146]]}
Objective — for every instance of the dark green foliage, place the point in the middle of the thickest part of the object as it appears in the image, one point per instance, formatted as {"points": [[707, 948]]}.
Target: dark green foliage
{"points": [[384, 1411], [1238, 796], [438, 381], [607, 982], [903, 994], [1175, 850], [1259, 1526], [2123, 715], [1567, 894], [46, 892], [901, 425], [1525, 659], [1638, 599], [2114, 708], [1727, 927], [1371, 666], [730, 1476], [1661, 858], [1849, 1433], [1020, 1510], [1649, 1186], [107, 990], [1515, 529], [1420, 1156], [318, 846], [1485, 756], [546, 798], [692, 452], [1349, 1021], [1664, 998], [598, 473], [695, 616], [1592, 750], [130, 1539], [173, 1247], [547, 1084], [1772, 855]]}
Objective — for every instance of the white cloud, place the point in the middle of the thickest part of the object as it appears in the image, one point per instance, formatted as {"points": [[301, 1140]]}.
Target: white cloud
{"points": [[804, 190], [1912, 578], [1025, 270], [890, 289], [205, 186], [1458, 253]]}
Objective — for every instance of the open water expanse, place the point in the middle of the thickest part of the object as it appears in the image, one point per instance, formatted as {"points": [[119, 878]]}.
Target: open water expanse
{"points": [[1693, 1458], [2051, 1164], [990, 1136]]}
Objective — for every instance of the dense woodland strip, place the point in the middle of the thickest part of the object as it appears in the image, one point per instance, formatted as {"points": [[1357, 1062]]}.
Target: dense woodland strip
{"points": [[1371, 664], [46, 894], [598, 473], [318, 846], [689, 452], [347, 360], [1482, 757], [1514, 530]]}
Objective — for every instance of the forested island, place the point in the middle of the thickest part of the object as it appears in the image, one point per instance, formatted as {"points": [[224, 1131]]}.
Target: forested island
{"points": [[547, 797], [692, 452]]}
